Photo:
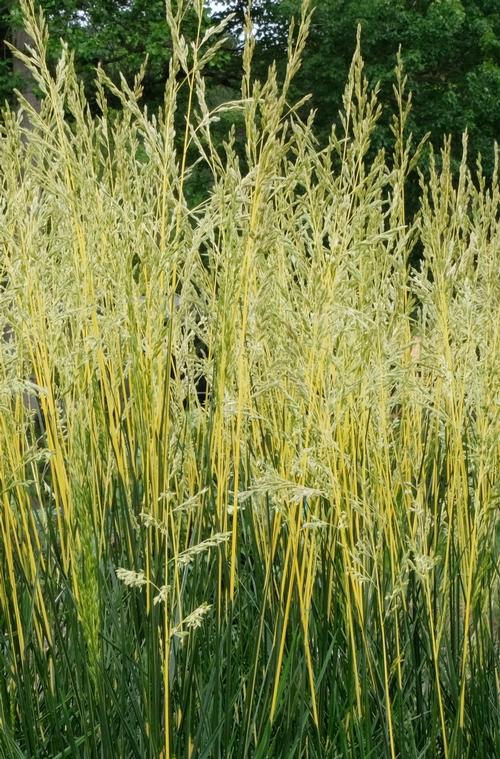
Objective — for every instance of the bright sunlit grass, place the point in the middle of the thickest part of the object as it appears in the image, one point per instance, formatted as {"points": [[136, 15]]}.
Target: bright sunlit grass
{"points": [[307, 564]]}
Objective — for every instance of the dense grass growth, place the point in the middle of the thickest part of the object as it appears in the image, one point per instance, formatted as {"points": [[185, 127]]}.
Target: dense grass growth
{"points": [[305, 566]]}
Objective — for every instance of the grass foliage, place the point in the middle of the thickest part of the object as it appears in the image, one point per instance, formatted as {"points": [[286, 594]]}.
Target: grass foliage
{"points": [[306, 565]]}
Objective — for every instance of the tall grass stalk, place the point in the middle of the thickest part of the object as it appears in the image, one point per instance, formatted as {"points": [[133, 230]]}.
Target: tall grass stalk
{"points": [[306, 565]]}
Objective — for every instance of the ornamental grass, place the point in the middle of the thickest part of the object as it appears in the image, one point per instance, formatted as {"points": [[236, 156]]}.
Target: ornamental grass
{"points": [[302, 561]]}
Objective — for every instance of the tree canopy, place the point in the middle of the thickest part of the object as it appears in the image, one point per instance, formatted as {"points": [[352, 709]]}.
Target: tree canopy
{"points": [[115, 34], [451, 54], [450, 50]]}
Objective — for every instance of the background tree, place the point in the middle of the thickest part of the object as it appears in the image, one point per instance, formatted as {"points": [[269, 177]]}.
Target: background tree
{"points": [[13, 72], [118, 34], [451, 53]]}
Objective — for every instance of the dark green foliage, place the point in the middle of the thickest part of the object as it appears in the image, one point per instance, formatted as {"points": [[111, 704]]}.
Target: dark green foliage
{"points": [[451, 54], [110, 33]]}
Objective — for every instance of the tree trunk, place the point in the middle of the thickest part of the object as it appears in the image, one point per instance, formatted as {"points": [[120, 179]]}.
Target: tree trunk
{"points": [[20, 39]]}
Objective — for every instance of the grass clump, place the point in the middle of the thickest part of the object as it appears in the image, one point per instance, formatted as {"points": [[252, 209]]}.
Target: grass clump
{"points": [[305, 564]]}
